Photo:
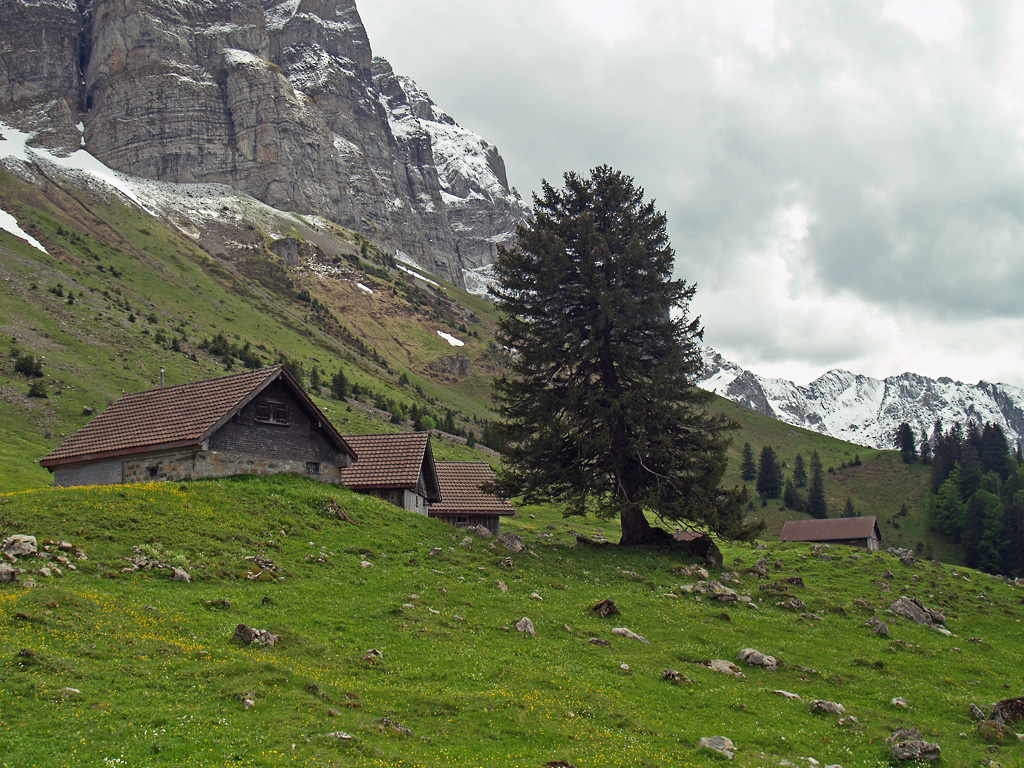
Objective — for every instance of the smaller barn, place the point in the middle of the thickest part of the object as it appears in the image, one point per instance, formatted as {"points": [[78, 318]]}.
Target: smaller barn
{"points": [[464, 503], [852, 531], [398, 468], [258, 422]]}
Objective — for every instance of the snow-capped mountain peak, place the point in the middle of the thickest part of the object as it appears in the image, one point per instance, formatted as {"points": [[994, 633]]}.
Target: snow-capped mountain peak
{"points": [[865, 410]]}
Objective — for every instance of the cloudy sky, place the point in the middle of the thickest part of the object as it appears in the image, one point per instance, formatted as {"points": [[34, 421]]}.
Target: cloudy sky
{"points": [[843, 180]]}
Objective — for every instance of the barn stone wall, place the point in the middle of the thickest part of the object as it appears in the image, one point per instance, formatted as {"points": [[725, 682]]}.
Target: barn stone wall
{"points": [[203, 465], [96, 473], [299, 439]]}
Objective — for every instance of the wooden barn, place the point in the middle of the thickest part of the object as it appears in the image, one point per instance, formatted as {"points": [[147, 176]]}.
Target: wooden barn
{"points": [[398, 468], [259, 422], [852, 531], [463, 503]]}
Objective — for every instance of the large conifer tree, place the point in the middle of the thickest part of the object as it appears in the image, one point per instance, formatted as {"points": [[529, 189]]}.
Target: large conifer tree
{"points": [[599, 406]]}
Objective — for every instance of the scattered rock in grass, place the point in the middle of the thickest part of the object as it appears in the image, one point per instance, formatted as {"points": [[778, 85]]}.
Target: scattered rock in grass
{"points": [[670, 675], [180, 574], [977, 713], [1009, 711], [758, 659], [7, 573], [536, 596], [512, 542], [605, 608], [719, 744], [792, 604], [912, 608], [372, 656], [19, 545], [848, 722], [914, 750], [787, 694], [900, 702], [507, 563], [501, 585], [882, 629], [558, 764], [864, 604], [249, 636], [434, 551], [480, 530], [689, 570], [721, 665], [599, 641], [624, 667], [525, 625], [629, 634], [339, 736], [995, 732], [387, 724], [827, 707], [248, 699]]}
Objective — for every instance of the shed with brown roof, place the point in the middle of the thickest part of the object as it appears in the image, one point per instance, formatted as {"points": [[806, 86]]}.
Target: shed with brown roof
{"points": [[398, 468], [258, 422], [853, 531], [464, 503]]}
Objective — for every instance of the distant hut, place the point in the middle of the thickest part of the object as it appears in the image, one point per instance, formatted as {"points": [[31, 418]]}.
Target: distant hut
{"points": [[853, 531], [397, 467], [464, 504]]}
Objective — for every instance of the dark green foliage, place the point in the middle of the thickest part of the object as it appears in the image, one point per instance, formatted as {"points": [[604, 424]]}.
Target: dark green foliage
{"points": [[983, 532], [816, 504], [769, 474], [599, 408], [925, 449], [979, 500], [339, 385], [791, 497], [748, 469], [799, 471], [38, 389], [848, 510], [904, 442], [27, 365]]}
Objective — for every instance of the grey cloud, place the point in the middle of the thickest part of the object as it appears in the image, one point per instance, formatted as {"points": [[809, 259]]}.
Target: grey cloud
{"points": [[911, 170]]}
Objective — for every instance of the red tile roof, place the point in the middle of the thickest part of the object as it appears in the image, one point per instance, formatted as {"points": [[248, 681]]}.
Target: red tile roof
{"points": [[460, 490], [834, 529], [392, 462], [174, 417]]}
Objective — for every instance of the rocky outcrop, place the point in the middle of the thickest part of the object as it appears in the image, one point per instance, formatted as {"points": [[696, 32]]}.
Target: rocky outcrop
{"points": [[282, 100]]}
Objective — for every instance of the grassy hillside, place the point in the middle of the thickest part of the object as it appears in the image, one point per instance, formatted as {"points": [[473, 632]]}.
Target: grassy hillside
{"points": [[121, 296], [103, 667]]}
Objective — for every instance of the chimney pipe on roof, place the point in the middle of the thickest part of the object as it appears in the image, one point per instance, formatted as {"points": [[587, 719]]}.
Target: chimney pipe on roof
{"points": [[161, 378]]}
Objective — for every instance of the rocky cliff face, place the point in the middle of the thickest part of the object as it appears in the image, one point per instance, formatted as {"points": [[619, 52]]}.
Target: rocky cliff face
{"points": [[864, 410], [280, 99]]}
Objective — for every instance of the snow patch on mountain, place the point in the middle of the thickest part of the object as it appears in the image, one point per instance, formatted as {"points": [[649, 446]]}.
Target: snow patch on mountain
{"points": [[864, 410]]}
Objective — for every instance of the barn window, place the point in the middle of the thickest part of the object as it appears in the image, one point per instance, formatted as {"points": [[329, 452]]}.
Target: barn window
{"points": [[271, 413], [153, 470], [460, 520], [312, 467]]}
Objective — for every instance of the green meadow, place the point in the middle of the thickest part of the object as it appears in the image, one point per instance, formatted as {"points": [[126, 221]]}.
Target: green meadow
{"points": [[398, 643]]}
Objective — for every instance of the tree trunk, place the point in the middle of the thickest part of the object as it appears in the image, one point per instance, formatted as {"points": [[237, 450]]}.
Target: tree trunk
{"points": [[636, 530]]}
